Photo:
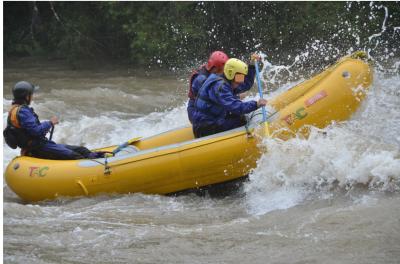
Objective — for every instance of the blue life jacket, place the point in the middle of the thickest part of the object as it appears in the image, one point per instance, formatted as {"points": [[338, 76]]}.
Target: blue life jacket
{"points": [[217, 102], [203, 102], [196, 81], [35, 129]]}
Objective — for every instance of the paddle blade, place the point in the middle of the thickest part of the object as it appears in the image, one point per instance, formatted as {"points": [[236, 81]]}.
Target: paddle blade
{"points": [[125, 144], [266, 129], [135, 139], [263, 130]]}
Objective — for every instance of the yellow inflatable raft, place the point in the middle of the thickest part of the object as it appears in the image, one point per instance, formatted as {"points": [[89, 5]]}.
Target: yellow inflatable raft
{"points": [[174, 161]]}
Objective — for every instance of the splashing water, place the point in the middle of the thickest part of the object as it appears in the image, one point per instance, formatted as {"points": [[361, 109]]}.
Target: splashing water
{"points": [[318, 54], [362, 152], [338, 190], [337, 158]]}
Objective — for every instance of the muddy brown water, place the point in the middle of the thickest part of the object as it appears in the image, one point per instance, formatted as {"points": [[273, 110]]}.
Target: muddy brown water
{"points": [[332, 199]]}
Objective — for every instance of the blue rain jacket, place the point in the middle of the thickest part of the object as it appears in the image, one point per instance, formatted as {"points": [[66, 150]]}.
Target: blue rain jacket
{"points": [[217, 104], [37, 131], [198, 79]]}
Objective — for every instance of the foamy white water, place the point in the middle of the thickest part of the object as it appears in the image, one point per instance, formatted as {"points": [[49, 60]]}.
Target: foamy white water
{"points": [[334, 198], [337, 192]]}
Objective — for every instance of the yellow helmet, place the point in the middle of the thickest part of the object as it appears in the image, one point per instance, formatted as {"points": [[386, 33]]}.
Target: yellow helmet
{"points": [[233, 66]]}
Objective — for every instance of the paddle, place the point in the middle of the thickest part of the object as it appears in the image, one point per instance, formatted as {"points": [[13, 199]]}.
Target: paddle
{"points": [[264, 113], [122, 146]]}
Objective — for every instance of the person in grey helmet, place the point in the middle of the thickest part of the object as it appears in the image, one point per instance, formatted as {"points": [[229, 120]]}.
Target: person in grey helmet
{"points": [[24, 130]]}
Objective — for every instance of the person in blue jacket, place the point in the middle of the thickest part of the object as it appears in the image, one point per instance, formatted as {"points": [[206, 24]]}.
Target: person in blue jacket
{"points": [[218, 107], [215, 64], [25, 130]]}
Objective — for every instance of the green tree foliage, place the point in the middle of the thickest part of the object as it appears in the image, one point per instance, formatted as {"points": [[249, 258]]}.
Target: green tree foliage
{"points": [[176, 33]]}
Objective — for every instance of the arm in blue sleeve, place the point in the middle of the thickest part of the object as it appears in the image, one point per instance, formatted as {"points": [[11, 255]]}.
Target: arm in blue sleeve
{"points": [[225, 97], [248, 81], [28, 121]]}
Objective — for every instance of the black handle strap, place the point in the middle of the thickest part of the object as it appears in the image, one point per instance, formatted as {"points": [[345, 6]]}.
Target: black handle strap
{"points": [[51, 131]]}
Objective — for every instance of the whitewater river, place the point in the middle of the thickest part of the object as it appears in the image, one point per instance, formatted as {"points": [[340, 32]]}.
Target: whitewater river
{"points": [[334, 198]]}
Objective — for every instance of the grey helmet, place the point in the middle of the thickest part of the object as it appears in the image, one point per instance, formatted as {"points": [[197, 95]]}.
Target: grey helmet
{"points": [[23, 89]]}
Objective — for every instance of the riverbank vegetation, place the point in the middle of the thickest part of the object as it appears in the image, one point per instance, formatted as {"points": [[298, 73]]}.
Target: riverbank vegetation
{"points": [[171, 34]]}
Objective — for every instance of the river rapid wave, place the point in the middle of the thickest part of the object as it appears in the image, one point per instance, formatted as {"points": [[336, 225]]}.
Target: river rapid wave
{"points": [[333, 198]]}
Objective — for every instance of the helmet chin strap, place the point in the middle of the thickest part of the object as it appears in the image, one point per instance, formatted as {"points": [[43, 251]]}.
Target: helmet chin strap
{"points": [[28, 99], [21, 101]]}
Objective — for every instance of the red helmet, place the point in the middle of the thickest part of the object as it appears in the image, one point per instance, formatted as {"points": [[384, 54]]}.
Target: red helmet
{"points": [[217, 59]]}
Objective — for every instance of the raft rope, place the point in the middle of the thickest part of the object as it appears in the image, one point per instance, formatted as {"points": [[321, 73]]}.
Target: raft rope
{"points": [[246, 126], [254, 114], [107, 168]]}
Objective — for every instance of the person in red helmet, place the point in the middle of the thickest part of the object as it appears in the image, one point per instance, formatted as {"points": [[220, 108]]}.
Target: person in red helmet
{"points": [[215, 65]]}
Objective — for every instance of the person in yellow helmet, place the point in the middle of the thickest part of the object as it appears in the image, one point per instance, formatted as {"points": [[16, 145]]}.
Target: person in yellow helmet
{"points": [[218, 107]]}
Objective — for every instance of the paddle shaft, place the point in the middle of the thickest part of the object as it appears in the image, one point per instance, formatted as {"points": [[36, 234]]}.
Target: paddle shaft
{"points": [[125, 144], [120, 147], [264, 113]]}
